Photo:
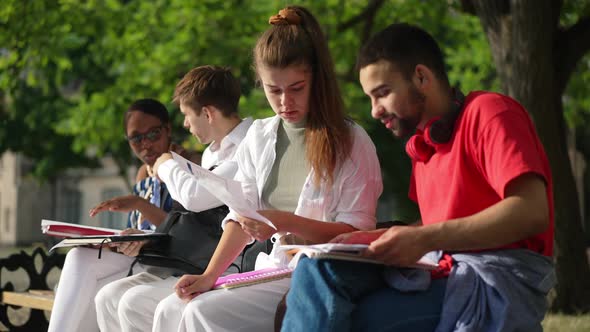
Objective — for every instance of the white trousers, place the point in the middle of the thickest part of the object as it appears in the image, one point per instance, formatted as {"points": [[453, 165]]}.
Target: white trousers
{"points": [[249, 308], [129, 304], [82, 276]]}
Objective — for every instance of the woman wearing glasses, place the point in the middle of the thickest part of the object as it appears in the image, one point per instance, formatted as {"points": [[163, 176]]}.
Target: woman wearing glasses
{"points": [[147, 128]]}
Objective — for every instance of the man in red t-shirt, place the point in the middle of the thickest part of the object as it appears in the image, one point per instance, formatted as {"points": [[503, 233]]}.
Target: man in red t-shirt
{"points": [[482, 182]]}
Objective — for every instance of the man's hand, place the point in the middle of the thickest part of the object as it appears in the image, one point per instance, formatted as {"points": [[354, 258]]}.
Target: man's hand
{"points": [[399, 245], [191, 285], [256, 229], [163, 157], [358, 237], [118, 204], [177, 148]]}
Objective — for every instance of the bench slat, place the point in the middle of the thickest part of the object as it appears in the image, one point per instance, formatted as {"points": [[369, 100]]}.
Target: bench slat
{"points": [[35, 299]]}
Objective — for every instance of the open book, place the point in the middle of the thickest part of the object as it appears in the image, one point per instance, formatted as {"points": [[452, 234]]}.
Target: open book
{"points": [[105, 239], [65, 229], [349, 252], [79, 235], [253, 277], [228, 191]]}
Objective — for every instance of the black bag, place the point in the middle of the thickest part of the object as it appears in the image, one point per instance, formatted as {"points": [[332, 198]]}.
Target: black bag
{"points": [[193, 237], [250, 253]]}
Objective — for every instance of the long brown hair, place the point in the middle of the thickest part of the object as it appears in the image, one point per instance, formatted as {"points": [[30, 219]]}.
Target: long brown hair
{"points": [[296, 38]]}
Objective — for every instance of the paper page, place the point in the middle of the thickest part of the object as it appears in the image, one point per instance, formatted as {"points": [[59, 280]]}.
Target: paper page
{"points": [[229, 191], [60, 245]]}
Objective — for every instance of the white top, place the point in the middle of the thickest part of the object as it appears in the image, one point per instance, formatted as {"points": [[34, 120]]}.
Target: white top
{"points": [[184, 187], [351, 199]]}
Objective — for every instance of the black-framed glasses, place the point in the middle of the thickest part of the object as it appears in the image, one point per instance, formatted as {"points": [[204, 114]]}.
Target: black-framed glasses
{"points": [[152, 135]]}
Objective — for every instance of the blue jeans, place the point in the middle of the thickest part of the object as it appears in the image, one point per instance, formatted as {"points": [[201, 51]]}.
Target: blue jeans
{"points": [[335, 295]]}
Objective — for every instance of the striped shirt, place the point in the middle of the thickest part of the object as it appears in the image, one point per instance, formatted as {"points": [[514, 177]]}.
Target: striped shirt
{"points": [[155, 191]]}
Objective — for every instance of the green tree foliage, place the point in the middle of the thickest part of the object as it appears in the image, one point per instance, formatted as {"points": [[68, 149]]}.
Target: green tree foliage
{"points": [[82, 63], [32, 106]]}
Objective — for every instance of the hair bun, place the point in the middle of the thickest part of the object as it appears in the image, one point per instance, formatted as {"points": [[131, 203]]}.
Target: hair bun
{"points": [[285, 17]]}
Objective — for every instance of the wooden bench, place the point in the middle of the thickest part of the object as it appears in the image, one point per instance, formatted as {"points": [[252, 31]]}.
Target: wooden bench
{"points": [[34, 299], [37, 295]]}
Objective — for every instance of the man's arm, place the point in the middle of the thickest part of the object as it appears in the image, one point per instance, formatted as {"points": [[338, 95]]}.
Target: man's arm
{"points": [[186, 188], [523, 212]]}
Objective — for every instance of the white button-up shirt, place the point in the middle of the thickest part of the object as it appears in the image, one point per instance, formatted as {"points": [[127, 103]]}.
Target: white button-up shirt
{"points": [[185, 188], [351, 199]]}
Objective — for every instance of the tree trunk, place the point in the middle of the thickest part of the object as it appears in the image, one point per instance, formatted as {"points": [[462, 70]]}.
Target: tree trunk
{"points": [[522, 39]]}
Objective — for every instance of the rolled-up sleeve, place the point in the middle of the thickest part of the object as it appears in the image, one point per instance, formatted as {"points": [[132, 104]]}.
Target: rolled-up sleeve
{"points": [[360, 184], [245, 174]]}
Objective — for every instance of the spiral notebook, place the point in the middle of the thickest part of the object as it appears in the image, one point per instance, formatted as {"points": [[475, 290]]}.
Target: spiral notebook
{"points": [[251, 278]]}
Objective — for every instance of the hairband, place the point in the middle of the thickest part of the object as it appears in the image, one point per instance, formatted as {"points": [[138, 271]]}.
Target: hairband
{"points": [[285, 17]]}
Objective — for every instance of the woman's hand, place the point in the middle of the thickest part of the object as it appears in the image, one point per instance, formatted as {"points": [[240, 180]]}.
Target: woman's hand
{"points": [[277, 217], [190, 286], [118, 204], [256, 229]]}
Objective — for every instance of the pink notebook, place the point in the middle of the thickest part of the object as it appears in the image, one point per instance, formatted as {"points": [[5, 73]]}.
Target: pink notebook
{"points": [[253, 277]]}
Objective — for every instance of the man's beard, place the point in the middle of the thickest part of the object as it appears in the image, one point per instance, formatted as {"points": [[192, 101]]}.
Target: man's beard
{"points": [[406, 126]]}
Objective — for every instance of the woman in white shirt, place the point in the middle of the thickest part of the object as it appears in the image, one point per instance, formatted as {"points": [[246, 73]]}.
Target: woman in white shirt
{"points": [[310, 170]]}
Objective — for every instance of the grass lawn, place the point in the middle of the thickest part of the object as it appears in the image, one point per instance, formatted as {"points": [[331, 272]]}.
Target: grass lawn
{"points": [[559, 323]]}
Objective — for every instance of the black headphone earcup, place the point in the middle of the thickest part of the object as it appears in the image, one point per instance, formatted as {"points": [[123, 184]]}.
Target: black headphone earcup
{"points": [[440, 131], [423, 145]]}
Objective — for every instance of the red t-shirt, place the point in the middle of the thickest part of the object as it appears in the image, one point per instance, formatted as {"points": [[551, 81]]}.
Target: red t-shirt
{"points": [[494, 142]]}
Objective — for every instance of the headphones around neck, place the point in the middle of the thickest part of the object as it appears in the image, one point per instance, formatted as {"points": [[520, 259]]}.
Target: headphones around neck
{"points": [[438, 131]]}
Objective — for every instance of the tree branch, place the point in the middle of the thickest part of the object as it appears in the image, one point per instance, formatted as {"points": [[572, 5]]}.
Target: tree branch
{"points": [[557, 7], [490, 12], [570, 46], [468, 7], [366, 15]]}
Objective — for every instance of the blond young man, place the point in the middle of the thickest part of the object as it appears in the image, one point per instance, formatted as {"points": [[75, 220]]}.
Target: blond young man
{"points": [[208, 98]]}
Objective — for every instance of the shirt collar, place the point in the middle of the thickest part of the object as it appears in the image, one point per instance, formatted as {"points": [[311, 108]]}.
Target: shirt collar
{"points": [[234, 137]]}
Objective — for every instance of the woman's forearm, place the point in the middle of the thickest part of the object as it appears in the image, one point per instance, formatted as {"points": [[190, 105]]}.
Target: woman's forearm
{"points": [[231, 244]]}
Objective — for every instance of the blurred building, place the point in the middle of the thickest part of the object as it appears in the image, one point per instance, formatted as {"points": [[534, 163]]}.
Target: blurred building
{"points": [[24, 201]]}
